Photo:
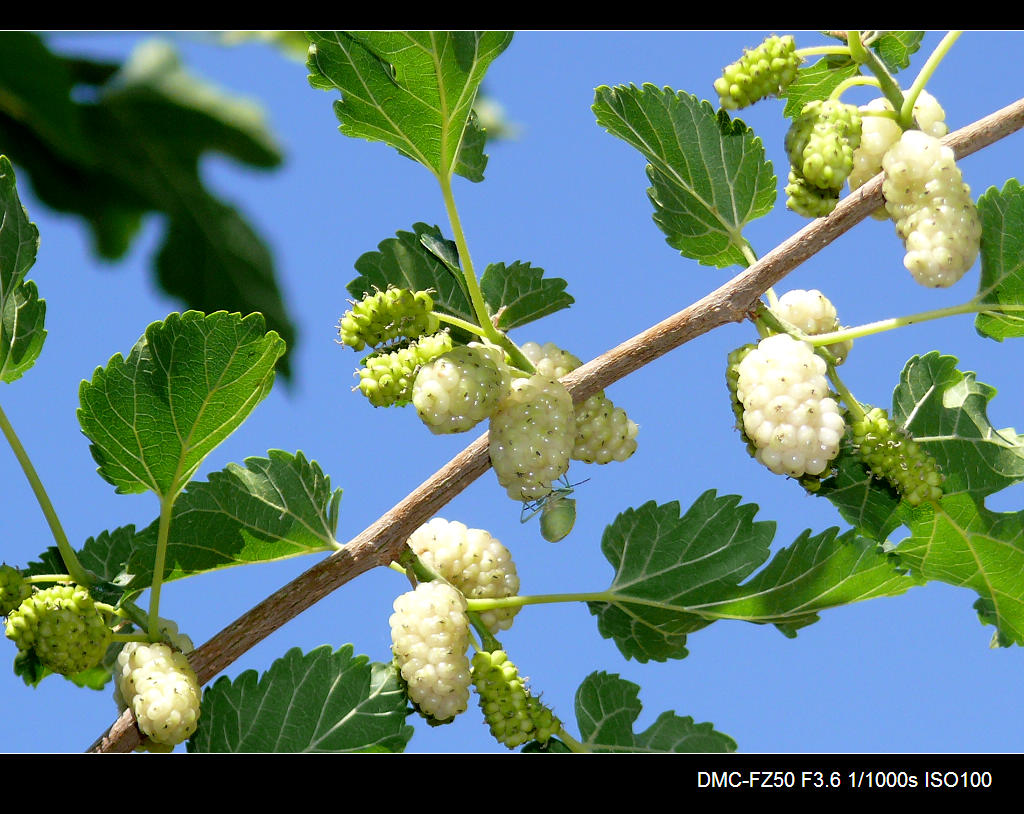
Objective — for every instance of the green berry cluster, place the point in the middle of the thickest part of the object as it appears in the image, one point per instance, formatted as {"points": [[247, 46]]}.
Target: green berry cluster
{"points": [[761, 72], [808, 200], [732, 377], [379, 318], [890, 453], [13, 589], [513, 715], [63, 626], [820, 144], [387, 378]]}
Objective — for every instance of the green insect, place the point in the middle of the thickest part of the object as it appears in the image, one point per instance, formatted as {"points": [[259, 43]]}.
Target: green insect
{"points": [[557, 512]]}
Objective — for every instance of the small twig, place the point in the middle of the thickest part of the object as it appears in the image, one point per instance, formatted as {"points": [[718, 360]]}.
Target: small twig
{"points": [[381, 542]]}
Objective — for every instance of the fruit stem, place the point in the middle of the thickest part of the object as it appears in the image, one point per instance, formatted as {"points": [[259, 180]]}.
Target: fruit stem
{"points": [[478, 605], [461, 323], [819, 50], [166, 506], [573, 744], [972, 307], [868, 58], [67, 553], [49, 578], [855, 408], [853, 81], [936, 57]]}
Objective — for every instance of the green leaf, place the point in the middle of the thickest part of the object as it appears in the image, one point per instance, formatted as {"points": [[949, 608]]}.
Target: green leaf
{"points": [[946, 411], [104, 556], [322, 701], [816, 572], [964, 544], [1002, 260], [188, 383], [675, 575], [22, 313], [405, 262], [134, 148], [271, 509], [896, 47], [413, 90], [665, 563], [709, 173], [867, 503], [816, 82], [607, 707], [521, 290]]}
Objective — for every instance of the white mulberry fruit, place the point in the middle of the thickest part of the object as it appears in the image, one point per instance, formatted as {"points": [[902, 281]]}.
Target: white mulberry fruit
{"points": [[458, 390], [160, 687], [471, 560], [813, 313], [935, 216], [430, 635], [787, 412]]}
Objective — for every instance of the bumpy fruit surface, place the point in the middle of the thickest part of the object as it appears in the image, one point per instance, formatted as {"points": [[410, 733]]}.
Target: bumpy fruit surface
{"points": [[429, 635], [387, 315], [461, 388], [604, 433], [890, 453], [821, 141], [532, 435], [13, 589], [935, 216], [471, 560], [513, 715], [808, 200], [787, 412], [813, 313], [761, 72], [387, 380], [160, 687], [880, 133], [63, 626]]}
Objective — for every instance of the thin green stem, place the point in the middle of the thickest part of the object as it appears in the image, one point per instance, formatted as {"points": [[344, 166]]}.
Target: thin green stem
{"points": [[480, 605], [972, 307], [845, 394], [153, 625], [67, 553], [868, 58], [461, 323], [137, 615], [38, 578], [573, 744], [129, 637], [476, 296], [820, 50], [853, 81], [933, 61]]}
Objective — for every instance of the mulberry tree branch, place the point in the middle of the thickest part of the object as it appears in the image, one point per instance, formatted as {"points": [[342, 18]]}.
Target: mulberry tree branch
{"points": [[382, 542]]}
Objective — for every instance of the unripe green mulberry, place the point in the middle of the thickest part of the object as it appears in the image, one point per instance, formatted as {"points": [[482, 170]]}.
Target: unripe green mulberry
{"points": [[384, 316], [732, 376], [63, 626], [604, 433], [13, 589], [471, 560], [890, 453], [761, 72], [531, 437], [512, 713], [459, 389], [161, 688], [821, 141], [808, 200], [387, 380]]}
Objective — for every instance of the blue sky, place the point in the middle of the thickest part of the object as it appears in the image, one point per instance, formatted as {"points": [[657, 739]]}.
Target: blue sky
{"points": [[913, 673]]}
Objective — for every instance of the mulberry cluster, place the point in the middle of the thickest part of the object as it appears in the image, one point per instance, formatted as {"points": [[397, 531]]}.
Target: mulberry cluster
{"points": [[513, 715], [471, 560], [429, 635], [160, 687], [820, 143], [63, 626], [890, 453], [387, 379], [761, 72], [384, 316], [788, 414], [935, 216], [13, 589], [458, 390]]}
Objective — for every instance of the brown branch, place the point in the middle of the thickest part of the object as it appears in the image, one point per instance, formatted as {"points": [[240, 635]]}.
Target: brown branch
{"points": [[380, 543]]}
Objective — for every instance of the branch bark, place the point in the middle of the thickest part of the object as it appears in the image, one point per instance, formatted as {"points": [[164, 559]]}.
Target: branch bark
{"points": [[381, 542]]}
